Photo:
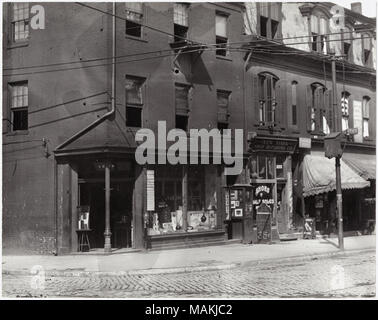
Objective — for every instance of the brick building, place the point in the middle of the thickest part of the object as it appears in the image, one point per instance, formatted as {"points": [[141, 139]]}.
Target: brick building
{"points": [[264, 68]]}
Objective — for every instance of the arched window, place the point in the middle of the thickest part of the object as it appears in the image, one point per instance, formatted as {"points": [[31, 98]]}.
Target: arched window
{"points": [[267, 98], [345, 110], [294, 121], [319, 30], [365, 116]]}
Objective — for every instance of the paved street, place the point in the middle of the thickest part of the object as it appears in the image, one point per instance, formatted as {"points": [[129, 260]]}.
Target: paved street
{"points": [[351, 275]]}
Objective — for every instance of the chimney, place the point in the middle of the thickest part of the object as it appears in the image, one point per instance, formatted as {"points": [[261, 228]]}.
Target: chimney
{"points": [[356, 7]]}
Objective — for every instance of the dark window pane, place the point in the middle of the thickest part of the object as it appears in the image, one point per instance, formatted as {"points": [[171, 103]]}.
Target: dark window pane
{"points": [[314, 42], [263, 26], [221, 43], [20, 120], [181, 33], [274, 25], [133, 117], [366, 55], [133, 29], [182, 122], [222, 126], [294, 114]]}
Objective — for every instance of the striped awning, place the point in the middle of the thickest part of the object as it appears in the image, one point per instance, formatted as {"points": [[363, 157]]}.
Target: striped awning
{"points": [[362, 164], [319, 176]]}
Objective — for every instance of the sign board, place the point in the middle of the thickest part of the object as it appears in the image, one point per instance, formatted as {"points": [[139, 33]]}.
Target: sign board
{"points": [[272, 145], [357, 120], [150, 190], [305, 143], [263, 195]]}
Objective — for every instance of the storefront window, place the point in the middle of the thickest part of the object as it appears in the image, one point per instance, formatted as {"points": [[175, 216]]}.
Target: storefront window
{"points": [[168, 215], [262, 167]]}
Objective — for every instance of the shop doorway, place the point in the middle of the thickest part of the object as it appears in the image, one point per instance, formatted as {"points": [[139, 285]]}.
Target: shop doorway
{"points": [[92, 194]]}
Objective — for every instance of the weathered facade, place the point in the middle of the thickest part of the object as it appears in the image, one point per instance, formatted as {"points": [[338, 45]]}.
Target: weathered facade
{"points": [[61, 136]]}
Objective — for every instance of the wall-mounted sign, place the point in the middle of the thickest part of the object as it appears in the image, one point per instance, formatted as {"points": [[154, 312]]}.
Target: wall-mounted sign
{"points": [[263, 194], [272, 145], [305, 143], [150, 190]]}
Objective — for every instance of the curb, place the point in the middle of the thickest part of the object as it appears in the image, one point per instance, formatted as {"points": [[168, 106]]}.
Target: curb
{"points": [[253, 263]]}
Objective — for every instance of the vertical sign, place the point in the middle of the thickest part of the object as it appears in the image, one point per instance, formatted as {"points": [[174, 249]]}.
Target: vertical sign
{"points": [[150, 190], [357, 120]]}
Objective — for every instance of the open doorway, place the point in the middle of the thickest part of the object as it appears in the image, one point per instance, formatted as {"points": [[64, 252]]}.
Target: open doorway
{"points": [[92, 194]]}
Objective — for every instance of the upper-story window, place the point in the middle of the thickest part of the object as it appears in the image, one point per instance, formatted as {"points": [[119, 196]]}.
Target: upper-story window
{"points": [[134, 101], [182, 106], [20, 22], [294, 120], [223, 100], [366, 48], [345, 110], [181, 21], [347, 43], [221, 33], [319, 28], [19, 105], [267, 98], [134, 18], [318, 102], [365, 116], [270, 16]]}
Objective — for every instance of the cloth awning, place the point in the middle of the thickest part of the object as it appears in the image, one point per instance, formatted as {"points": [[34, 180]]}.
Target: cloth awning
{"points": [[362, 164], [319, 176]]}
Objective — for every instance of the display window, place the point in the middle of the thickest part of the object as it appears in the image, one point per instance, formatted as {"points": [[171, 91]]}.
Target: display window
{"points": [[168, 214]]}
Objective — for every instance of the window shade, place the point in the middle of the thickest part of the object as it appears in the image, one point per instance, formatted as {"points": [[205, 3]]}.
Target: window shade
{"points": [[181, 99], [180, 15], [133, 91], [221, 25]]}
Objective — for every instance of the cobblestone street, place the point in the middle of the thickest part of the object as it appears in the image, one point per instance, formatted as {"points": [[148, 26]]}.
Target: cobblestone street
{"points": [[339, 276]]}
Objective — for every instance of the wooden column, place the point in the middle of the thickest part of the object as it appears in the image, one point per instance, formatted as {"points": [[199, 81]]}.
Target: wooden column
{"points": [[107, 233], [185, 197]]}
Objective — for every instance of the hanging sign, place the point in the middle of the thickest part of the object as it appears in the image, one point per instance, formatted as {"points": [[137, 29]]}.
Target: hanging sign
{"points": [[150, 190]]}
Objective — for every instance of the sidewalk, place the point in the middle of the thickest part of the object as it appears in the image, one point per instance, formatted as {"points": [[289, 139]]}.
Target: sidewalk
{"points": [[184, 260]]}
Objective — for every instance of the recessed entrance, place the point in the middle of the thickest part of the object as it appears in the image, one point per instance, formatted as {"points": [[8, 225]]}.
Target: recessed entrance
{"points": [[92, 194]]}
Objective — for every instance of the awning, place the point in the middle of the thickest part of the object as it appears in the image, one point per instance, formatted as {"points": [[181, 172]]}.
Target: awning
{"points": [[362, 164], [319, 176]]}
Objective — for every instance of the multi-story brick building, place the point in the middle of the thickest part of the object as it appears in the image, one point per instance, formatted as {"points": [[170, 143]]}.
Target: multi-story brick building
{"points": [[264, 68]]}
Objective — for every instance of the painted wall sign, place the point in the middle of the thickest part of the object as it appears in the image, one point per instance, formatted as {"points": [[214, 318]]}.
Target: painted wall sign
{"points": [[357, 120], [150, 190]]}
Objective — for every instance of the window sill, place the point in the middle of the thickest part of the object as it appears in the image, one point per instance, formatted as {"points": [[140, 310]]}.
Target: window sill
{"points": [[135, 38], [17, 133], [227, 58], [18, 45]]}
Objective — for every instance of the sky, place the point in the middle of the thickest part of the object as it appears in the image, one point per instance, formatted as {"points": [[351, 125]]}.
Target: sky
{"points": [[369, 7]]}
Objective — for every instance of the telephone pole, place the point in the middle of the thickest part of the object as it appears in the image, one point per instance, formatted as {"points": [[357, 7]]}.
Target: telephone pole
{"points": [[336, 128]]}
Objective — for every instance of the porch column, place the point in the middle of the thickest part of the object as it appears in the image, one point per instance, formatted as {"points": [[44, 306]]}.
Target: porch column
{"points": [[107, 233], [184, 197]]}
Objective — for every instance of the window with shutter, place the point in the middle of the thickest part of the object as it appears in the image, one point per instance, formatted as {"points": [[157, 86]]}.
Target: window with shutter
{"points": [[310, 108], [347, 44], [319, 30], [328, 106]]}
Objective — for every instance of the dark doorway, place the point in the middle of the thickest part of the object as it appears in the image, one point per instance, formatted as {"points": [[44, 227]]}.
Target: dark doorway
{"points": [[93, 195]]}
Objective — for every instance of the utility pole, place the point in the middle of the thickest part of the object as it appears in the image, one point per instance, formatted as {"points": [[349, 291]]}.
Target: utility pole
{"points": [[337, 127], [108, 233]]}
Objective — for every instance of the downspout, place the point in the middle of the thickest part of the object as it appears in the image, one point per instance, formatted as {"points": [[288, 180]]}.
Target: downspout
{"points": [[244, 106]]}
